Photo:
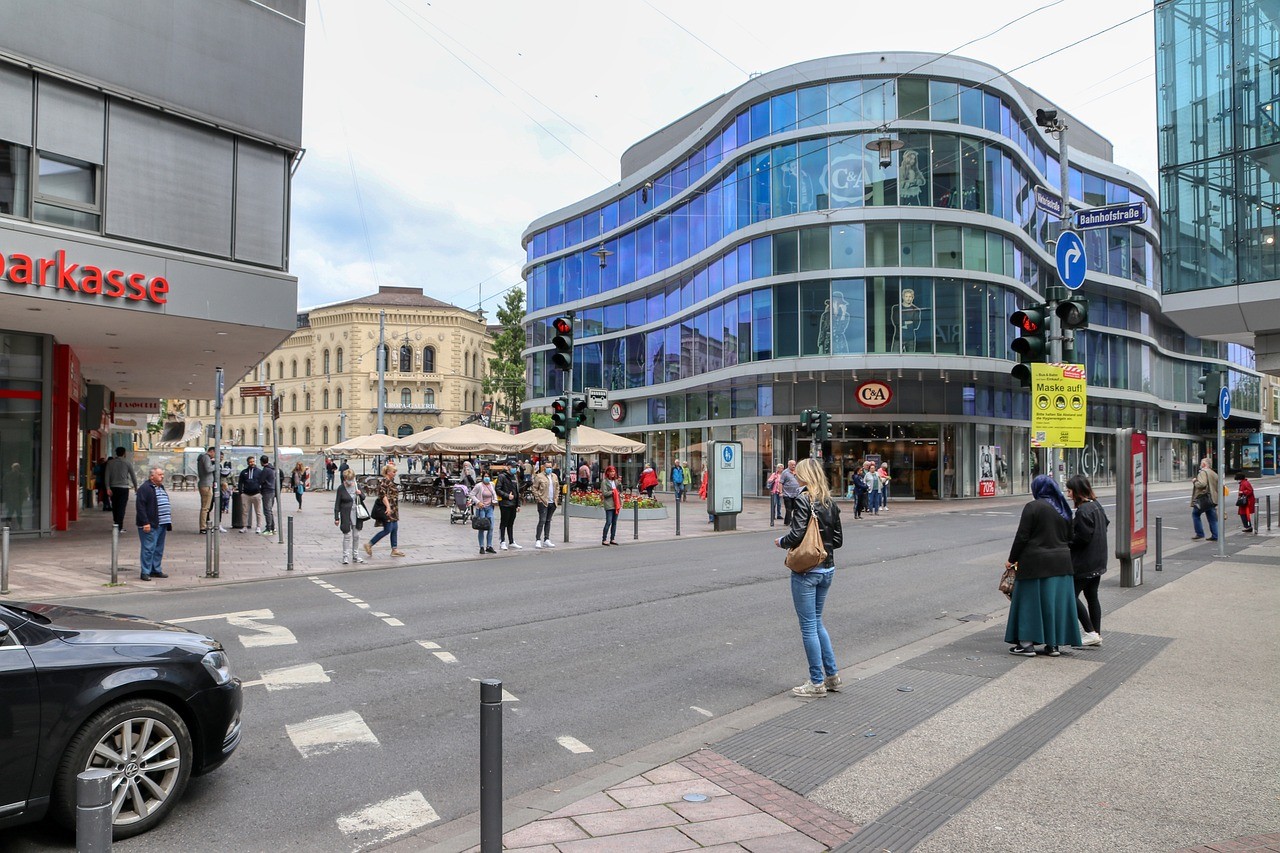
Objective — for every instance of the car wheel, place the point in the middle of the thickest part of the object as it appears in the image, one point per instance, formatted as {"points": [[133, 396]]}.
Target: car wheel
{"points": [[146, 746]]}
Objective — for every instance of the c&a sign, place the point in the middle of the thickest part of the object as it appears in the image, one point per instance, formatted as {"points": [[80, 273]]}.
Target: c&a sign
{"points": [[873, 394], [55, 272]]}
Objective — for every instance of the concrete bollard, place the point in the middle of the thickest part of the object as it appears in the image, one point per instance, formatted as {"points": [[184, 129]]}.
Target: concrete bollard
{"points": [[289, 565], [4, 561], [93, 811], [490, 766], [115, 555]]}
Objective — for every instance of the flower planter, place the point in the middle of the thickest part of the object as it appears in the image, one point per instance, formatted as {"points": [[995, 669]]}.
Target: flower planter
{"points": [[582, 511]]}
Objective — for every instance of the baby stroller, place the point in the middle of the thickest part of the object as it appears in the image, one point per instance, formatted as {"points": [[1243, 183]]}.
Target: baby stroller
{"points": [[461, 509]]}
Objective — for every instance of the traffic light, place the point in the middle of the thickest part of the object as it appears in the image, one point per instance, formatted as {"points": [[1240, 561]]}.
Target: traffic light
{"points": [[1209, 390], [579, 411], [808, 421], [824, 426], [560, 417], [1031, 344], [1074, 313], [562, 343]]}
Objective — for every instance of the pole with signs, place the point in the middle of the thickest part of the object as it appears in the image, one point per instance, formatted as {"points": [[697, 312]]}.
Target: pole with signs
{"points": [[1131, 504], [1059, 405], [1220, 504], [276, 404], [211, 549]]}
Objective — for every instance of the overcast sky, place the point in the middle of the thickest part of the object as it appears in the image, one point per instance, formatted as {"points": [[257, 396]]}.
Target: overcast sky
{"points": [[437, 131]]}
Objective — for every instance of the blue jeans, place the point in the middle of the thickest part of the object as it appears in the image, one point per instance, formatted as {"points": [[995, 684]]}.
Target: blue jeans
{"points": [[482, 535], [809, 594], [775, 505], [391, 528], [876, 498], [1212, 515], [152, 553], [680, 490], [610, 532]]}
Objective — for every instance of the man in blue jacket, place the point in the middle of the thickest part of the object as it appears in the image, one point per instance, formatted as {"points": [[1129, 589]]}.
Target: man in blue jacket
{"points": [[154, 519]]}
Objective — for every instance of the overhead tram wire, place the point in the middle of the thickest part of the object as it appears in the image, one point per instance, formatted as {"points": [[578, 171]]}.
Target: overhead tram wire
{"points": [[698, 39], [502, 94], [895, 78], [351, 163]]}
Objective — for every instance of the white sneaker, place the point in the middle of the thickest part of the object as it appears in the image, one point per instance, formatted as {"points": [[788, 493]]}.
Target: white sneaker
{"points": [[548, 543], [1091, 638], [502, 547], [346, 561], [517, 547], [808, 689], [359, 559], [537, 543], [258, 530], [222, 530]]}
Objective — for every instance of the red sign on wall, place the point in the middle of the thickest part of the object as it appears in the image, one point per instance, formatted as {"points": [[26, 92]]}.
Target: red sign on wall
{"points": [[56, 273]]}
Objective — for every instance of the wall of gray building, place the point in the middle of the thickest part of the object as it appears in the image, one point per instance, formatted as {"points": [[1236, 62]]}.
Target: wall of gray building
{"points": [[250, 80]]}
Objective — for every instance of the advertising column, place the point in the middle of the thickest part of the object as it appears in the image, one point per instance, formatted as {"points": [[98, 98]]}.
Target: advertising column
{"points": [[64, 474], [1131, 504]]}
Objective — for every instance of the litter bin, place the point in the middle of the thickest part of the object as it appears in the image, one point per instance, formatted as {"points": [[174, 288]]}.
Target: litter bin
{"points": [[237, 511]]}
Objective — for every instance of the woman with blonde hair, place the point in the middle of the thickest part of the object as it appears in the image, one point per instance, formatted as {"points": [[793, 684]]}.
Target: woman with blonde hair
{"points": [[809, 589], [389, 516]]}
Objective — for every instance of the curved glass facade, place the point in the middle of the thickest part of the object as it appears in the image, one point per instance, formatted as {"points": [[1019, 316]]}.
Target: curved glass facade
{"points": [[770, 263]]}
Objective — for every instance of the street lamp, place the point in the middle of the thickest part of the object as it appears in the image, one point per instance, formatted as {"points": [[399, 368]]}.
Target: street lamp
{"points": [[885, 146]]}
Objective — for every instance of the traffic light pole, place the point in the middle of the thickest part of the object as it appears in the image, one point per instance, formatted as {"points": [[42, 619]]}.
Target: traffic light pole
{"points": [[1055, 294], [1219, 505], [568, 439]]}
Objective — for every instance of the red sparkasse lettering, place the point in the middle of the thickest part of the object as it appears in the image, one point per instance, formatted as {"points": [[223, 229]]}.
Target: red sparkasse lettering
{"points": [[137, 291], [45, 263], [92, 280], [64, 271], [20, 269], [159, 287], [115, 281]]}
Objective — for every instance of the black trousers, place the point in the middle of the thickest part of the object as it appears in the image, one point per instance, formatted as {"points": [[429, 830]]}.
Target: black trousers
{"points": [[119, 500], [507, 524], [790, 505], [1089, 611]]}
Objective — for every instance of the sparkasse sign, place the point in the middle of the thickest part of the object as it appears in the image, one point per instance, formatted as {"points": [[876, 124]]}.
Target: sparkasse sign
{"points": [[873, 394], [55, 272]]}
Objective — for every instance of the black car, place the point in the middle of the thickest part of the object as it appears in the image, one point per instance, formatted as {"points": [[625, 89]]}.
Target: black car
{"points": [[81, 689]]}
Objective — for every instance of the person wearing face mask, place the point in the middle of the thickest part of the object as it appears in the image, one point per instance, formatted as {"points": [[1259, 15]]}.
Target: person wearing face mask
{"points": [[483, 497], [611, 498]]}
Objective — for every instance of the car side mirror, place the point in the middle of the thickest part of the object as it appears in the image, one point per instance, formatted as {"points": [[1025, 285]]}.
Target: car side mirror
{"points": [[4, 631]]}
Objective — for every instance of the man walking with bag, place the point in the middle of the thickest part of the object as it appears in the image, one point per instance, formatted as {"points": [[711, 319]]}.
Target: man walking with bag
{"points": [[1204, 500]]}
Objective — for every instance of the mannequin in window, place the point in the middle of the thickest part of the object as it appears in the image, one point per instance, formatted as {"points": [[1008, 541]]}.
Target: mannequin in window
{"points": [[833, 324], [906, 322], [910, 179]]}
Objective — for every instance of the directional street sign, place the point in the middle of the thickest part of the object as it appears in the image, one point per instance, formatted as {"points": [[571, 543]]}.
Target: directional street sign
{"points": [[1049, 201], [1224, 402], [255, 390], [1114, 214], [1070, 257]]}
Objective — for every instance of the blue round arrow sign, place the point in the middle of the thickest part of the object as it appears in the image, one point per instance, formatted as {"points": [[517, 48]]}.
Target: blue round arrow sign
{"points": [[1070, 258], [1224, 402]]}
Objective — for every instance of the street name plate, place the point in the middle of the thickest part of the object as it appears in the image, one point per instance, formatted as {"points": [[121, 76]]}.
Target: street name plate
{"points": [[255, 390]]}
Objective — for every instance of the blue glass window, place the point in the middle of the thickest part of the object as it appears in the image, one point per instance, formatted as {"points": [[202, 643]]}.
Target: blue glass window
{"points": [[697, 224], [671, 358], [846, 102], [573, 231], [609, 272], [715, 278], [783, 116], [762, 324], [673, 299], [590, 225], [815, 249], [626, 258], [742, 125], [759, 120], [991, 111], [686, 292], [744, 262], [615, 318], [760, 186], [657, 307], [848, 316], [662, 242], [729, 263], [786, 183], [610, 217], [846, 246], [539, 244], [761, 257], [680, 234], [975, 318], [644, 251], [812, 175], [635, 351], [713, 217], [971, 107], [655, 369], [944, 101], [812, 106], [786, 252], [572, 270], [786, 320], [744, 328], [913, 98], [699, 286], [844, 182]]}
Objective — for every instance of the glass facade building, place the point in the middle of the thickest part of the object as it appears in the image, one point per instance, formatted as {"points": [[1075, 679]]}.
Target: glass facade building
{"points": [[758, 259], [1218, 108]]}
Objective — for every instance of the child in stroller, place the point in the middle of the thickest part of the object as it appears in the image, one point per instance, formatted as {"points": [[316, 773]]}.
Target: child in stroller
{"points": [[461, 509]]}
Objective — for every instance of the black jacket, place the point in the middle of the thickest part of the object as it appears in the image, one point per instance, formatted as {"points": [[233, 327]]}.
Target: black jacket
{"points": [[1040, 545], [1089, 540], [250, 481], [344, 509], [828, 522], [508, 490]]}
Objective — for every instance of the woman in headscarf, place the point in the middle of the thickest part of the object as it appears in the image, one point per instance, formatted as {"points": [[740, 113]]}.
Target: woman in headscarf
{"points": [[1043, 609]]}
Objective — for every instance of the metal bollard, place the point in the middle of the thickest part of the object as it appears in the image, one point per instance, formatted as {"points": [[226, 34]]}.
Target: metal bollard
{"points": [[635, 519], [93, 811], [115, 555], [1268, 514], [1159, 544], [289, 566], [4, 561], [677, 516], [490, 765]]}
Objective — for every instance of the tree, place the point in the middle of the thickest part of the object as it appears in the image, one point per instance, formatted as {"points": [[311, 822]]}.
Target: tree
{"points": [[505, 378], [538, 420]]}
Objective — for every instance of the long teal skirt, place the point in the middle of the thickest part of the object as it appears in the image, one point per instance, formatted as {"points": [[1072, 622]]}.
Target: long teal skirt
{"points": [[1044, 611]]}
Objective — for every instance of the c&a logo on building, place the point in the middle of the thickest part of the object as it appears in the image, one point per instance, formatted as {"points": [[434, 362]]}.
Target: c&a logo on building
{"points": [[874, 394], [57, 273]]}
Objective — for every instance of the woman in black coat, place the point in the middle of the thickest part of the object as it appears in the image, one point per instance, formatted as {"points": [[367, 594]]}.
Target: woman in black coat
{"points": [[1088, 556], [345, 498], [1042, 609], [508, 505]]}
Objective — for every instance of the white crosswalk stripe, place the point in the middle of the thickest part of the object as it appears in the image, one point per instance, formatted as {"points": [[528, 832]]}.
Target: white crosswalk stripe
{"points": [[388, 819], [323, 735]]}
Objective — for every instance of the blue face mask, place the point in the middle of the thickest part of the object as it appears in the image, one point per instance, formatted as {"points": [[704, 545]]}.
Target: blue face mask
{"points": [[486, 479]]}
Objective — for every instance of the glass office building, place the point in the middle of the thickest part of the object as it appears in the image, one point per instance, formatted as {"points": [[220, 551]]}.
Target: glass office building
{"points": [[1218, 85], [759, 257]]}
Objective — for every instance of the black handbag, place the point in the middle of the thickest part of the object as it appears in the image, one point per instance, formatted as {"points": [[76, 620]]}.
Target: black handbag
{"points": [[1204, 504], [481, 522], [1242, 501], [379, 512]]}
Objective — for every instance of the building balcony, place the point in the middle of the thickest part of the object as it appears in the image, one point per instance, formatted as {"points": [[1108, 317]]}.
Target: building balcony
{"points": [[398, 409]]}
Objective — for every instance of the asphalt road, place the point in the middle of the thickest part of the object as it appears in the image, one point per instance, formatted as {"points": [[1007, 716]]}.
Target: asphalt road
{"points": [[614, 648]]}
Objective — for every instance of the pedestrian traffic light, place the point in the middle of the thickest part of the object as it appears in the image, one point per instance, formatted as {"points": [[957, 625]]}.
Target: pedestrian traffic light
{"points": [[1030, 345], [808, 421], [560, 417], [824, 426], [562, 343], [579, 412], [1074, 313], [1209, 390]]}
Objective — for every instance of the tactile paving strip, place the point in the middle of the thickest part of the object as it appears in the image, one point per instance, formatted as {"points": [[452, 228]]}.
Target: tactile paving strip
{"points": [[910, 822]]}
